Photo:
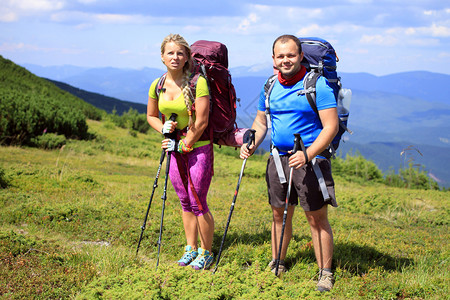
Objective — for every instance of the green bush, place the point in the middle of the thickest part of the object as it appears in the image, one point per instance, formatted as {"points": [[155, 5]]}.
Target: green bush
{"points": [[356, 167], [49, 141], [359, 169], [413, 177], [4, 180], [132, 120], [31, 106]]}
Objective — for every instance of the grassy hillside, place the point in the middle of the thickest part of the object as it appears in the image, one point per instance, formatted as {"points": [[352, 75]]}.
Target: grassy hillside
{"points": [[31, 107], [70, 220]]}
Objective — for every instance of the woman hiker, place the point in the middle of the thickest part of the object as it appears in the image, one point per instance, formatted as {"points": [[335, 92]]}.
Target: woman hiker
{"points": [[191, 161]]}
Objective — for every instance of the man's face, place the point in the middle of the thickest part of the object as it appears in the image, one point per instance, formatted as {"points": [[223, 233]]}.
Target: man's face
{"points": [[287, 59]]}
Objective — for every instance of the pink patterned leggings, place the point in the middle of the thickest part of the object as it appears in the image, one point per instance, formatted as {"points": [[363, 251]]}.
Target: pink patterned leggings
{"points": [[192, 171]]}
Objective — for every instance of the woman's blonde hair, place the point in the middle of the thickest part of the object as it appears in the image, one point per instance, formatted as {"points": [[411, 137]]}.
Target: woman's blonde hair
{"points": [[188, 99]]}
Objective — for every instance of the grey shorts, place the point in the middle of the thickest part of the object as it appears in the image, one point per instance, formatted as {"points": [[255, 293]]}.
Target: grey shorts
{"points": [[305, 186]]}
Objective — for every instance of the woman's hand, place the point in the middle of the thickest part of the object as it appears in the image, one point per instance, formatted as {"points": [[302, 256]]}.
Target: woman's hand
{"points": [[168, 144], [169, 127]]}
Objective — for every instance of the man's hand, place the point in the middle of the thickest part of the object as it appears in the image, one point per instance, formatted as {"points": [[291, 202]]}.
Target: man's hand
{"points": [[246, 152], [297, 160]]}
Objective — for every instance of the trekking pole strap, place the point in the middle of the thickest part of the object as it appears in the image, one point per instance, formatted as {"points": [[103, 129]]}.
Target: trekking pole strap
{"points": [[319, 175], [278, 165]]}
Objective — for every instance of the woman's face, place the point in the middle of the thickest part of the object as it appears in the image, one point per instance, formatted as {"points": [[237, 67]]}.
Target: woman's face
{"points": [[174, 56]]}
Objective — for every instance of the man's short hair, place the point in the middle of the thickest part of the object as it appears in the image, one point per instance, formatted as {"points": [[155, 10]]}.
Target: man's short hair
{"points": [[285, 38]]}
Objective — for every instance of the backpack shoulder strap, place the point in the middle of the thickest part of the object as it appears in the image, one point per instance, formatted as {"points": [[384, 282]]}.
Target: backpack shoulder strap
{"points": [[268, 86], [159, 85], [309, 84], [192, 84], [193, 79]]}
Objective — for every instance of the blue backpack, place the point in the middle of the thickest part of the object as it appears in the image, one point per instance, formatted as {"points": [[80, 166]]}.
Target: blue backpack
{"points": [[319, 58]]}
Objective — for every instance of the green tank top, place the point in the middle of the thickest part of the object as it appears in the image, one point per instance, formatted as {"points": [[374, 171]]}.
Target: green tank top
{"points": [[178, 105]]}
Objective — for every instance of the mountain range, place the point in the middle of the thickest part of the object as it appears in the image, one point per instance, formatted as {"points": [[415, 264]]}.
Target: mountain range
{"points": [[388, 114]]}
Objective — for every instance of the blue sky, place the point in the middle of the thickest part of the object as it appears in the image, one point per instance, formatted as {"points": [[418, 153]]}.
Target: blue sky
{"points": [[378, 37]]}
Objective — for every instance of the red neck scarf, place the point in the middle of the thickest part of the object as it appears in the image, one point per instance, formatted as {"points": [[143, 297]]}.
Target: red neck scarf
{"points": [[296, 78]]}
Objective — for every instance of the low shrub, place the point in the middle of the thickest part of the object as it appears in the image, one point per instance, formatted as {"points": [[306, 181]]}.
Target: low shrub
{"points": [[49, 141], [356, 167], [4, 179], [413, 177]]}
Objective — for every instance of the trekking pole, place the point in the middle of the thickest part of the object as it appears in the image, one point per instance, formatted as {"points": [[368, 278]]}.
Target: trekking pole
{"points": [[296, 146], [155, 185], [164, 196], [250, 138]]}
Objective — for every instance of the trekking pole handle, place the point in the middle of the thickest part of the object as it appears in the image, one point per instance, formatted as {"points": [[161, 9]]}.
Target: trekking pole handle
{"points": [[298, 144], [250, 139], [297, 141], [173, 117]]}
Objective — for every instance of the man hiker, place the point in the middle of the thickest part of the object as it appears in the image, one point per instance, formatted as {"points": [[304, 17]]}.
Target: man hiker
{"points": [[290, 113]]}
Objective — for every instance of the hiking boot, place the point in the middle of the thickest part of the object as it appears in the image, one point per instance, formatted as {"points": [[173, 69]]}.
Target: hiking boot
{"points": [[281, 267], [203, 260], [188, 256], [326, 282]]}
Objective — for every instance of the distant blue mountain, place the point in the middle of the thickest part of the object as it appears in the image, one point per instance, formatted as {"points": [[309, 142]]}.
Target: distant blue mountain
{"points": [[431, 87], [132, 85], [124, 84], [108, 104], [55, 72], [387, 112]]}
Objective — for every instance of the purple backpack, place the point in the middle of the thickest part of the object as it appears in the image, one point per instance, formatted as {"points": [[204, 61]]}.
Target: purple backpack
{"points": [[210, 60]]}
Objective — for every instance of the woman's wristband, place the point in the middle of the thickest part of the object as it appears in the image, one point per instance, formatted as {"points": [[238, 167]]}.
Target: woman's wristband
{"points": [[183, 147]]}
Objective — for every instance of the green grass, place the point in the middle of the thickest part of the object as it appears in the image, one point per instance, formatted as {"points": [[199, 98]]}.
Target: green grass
{"points": [[70, 220]]}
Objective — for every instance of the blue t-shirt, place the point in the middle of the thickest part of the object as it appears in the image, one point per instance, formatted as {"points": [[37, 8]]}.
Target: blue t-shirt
{"points": [[291, 113]]}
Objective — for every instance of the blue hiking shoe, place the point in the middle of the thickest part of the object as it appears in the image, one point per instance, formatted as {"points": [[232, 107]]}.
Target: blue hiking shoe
{"points": [[188, 256], [203, 260]]}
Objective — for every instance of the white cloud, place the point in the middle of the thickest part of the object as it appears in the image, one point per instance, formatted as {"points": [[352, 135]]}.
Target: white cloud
{"points": [[87, 1], [18, 47], [13, 10], [36, 5], [251, 19], [69, 16], [434, 13], [358, 29], [84, 26], [360, 1], [438, 30], [356, 51], [299, 14], [263, 19], [115, 18], [10, 47], [83, 18], [192, 29], [444, 54], [378, 39], [434, 30], [7, 15], [311, 30]]}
